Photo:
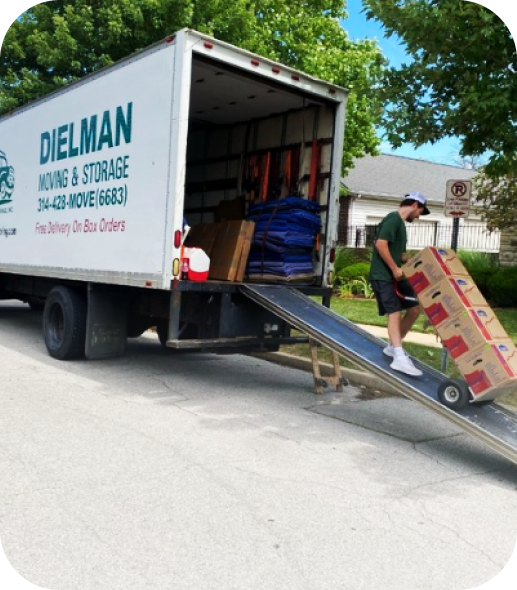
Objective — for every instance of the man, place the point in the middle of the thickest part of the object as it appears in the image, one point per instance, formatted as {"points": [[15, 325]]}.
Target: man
{"points": [[387, 278]]}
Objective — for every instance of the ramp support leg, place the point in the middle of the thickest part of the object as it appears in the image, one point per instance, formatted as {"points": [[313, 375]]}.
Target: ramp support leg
{"points": [[319, 381]]}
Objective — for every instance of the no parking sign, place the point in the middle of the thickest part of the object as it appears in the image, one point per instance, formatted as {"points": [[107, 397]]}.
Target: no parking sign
{"points": [[457, 198]]}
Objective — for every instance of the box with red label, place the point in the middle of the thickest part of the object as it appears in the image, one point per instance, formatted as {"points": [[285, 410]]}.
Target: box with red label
{"points": [[468, 292], [471, 329], [442, 301], [490, 371], [431, 265]]}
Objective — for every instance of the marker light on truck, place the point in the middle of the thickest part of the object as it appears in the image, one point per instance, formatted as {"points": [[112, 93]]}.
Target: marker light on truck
{"points": [[177, 238], [176, 267], [332, 255]]}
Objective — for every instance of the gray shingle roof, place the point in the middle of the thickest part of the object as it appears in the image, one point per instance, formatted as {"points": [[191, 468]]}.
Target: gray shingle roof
{"points": [[395, 176]]}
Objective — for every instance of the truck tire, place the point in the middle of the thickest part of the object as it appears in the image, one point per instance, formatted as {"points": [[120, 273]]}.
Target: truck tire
{"points": [[64, 323]]}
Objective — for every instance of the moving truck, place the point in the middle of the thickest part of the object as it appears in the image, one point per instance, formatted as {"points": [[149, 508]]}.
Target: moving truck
{"points": [[98, 178]]}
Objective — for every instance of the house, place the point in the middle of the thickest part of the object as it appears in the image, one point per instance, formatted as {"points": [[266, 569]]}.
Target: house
{"points": [[377, 185]]}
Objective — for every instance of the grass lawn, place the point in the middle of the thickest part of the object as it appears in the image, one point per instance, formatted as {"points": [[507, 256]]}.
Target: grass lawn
{"points": [[364, 311]]}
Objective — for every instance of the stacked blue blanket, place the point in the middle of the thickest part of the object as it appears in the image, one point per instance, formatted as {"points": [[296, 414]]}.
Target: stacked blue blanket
{"points": [[283, 241]]}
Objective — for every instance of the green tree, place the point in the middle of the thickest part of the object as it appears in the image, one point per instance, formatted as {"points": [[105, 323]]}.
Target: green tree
{"points": [[460, 82], [57, 42], [497, 197]]}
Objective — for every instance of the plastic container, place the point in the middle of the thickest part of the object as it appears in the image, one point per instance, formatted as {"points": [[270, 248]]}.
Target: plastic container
{"points": [[199, 264]]}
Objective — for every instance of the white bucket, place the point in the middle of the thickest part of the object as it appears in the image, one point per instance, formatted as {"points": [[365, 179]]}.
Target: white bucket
{"points": [[199, 264]]}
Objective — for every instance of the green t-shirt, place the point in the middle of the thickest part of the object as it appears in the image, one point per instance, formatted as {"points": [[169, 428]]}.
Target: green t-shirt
{"points": [[393, 229]]}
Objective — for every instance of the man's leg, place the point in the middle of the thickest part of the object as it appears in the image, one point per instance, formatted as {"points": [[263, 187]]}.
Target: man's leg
{"points": [[394, 329], [406, 323], [398, 327]]}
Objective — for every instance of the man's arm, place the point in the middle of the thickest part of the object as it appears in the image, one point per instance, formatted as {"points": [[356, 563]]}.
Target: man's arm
{"points": [[384, 253]]}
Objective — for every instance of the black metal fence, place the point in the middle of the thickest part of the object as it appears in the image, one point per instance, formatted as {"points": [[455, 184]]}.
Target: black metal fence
{"points": [[472, 236]]}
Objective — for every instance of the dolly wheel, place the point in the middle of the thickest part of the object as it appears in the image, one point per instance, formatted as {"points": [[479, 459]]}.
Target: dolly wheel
{"points": [[454, 393]]}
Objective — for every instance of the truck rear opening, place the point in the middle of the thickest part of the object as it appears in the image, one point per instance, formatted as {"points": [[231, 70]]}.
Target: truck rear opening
{"points": [[247, 133]]}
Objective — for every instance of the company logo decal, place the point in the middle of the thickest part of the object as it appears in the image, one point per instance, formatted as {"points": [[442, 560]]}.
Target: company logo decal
{"points": [[6, 180]]}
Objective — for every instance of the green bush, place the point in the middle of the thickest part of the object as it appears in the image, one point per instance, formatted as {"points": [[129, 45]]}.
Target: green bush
{"points": [[346, 257], [361, 270], [482, 277], [473, 261], [481, 266], [502, 288]]}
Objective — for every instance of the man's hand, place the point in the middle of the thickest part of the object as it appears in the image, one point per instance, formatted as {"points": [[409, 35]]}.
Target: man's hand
{"points": [[398, 273]]}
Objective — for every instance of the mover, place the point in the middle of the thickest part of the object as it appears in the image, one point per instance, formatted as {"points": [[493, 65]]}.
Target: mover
{"points": [[99, 180]]}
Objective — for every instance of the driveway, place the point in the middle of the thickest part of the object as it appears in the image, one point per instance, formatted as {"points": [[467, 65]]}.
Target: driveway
{"points": [[175, 471]]}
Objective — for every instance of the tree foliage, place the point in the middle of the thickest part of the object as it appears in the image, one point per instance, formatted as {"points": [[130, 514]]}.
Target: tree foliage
{"points": [[57, 42], [497, 197], [461, 81]]}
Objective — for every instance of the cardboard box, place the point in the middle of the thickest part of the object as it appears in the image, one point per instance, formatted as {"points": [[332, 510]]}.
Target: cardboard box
{"points": [[490, 370], [468, 292], [445, 300], [431, 265], [230, 210], [227, 252], [246, 247], [203, 236], [471, 329]]}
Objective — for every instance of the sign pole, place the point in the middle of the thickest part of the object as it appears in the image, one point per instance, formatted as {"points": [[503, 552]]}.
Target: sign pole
{"points": [[455, 233], [454, 246], [457, 204]]}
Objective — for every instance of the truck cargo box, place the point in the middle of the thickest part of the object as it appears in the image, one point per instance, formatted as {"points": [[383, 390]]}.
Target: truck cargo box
{"points": [[101, 174], [98, 181]]}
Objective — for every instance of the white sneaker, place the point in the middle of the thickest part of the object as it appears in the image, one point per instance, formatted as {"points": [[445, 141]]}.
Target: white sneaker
{"points": [[388, 350], [405, 365]]}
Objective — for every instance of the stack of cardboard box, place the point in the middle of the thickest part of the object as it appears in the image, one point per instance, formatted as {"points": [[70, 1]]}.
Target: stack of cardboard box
{"points": [[227, 244], [467, 326]]}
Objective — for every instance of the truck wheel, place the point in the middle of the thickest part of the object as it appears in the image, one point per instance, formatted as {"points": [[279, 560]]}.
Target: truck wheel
{"points": [[454, 393], [64, 323]]}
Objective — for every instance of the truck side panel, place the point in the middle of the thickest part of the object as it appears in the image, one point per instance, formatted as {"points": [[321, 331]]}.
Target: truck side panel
{"points": [[91, 168]]}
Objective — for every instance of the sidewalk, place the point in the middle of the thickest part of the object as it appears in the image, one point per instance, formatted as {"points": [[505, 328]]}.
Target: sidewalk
{"points": [[414, 337]]}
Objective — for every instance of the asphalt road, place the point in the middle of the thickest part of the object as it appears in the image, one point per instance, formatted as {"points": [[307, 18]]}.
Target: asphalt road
{"points": [[180, 471]]}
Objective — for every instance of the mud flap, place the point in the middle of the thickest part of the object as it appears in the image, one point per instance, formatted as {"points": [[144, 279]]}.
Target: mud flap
{"points": [[106, 322]]}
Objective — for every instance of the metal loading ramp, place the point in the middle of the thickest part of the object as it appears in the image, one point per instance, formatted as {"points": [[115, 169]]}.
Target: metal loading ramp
{"points": [[491, 423]]}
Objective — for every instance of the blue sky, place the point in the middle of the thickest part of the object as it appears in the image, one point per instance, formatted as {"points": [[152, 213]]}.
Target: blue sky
{"points": [[445, 151]]}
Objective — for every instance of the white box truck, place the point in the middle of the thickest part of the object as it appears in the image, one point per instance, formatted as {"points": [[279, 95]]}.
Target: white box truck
{"points": [[97, 178]]}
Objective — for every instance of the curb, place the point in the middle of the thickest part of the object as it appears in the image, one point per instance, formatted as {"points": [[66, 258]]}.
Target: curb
{"points": [[354, 376]]}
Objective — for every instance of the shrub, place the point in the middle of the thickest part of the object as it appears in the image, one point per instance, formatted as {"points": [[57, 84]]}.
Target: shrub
{"points": [[346, 257], [361, 270], [481, 266], [473, 261], [502, 288], [482, 276]]}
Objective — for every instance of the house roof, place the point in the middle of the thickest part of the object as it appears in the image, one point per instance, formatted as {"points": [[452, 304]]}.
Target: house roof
{"points": [[395, 176]]}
